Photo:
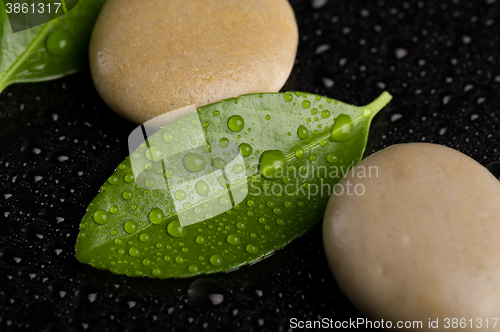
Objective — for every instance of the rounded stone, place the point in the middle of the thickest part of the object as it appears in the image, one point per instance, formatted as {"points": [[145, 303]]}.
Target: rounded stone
{"points": [[422, 241], [148, 58]]}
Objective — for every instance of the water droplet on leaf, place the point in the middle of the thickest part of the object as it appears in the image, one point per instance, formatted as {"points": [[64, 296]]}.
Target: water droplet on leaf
{"points": [[175, 229], [156, 216], [202, 188], [236, 123], [342, 128], [302, 132], [216, 260], [233, 239], [245, 149], [130, 227], [101, 217], [251, 249], [194, 162], [59, 42], [272, 164]]}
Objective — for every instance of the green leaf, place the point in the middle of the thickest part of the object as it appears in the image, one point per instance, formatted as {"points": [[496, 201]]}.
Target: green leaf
{"points": [[188, 202], [52, 50]]}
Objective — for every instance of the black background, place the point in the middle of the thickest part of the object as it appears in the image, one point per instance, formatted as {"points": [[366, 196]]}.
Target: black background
{"points": [[59, 142]]}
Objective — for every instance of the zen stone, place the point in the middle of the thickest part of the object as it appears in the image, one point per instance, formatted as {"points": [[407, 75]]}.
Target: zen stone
{"points": [[151, 57], [422, 242]]}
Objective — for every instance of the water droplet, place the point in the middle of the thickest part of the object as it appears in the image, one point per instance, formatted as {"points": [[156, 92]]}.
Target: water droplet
{"points": [[225, 201], [169, 173], [157, 272], [101, 217], [146, 261], [113, 209], [128, 195], [219, 163], [312, 157], [238, 168], [367, 113], [205, 124], [179, 259], [241, 225], [194, 162], [287, 204], [331, 158], [262, 220], [154, 154], [168, 137], [175, 229], [325, 114], [150, 183], [202, 188], [180, 195], [130, 227], [59, 42], [200, 239], [251, 249], [288, 97], [302, 132], [277, 210], [306, 104], [145, 237], [216, 260], [272, 164], [113, 179], [224, 142], [216, 113], [245, 149], [342, 128], [156, 216], [299, 153], [134, 252], [250, 202], [268, 117], [193, 269], [236, 123], [128, 178], [233, 239], [400, 52], [222, 181]]}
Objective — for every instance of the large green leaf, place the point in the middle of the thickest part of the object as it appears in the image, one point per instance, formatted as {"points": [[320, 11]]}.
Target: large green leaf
{"points": [[47, 51], [235, 208]]}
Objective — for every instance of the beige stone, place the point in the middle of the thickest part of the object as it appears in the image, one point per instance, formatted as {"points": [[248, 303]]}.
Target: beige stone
{"points": [[423, 241], [151, 57]]}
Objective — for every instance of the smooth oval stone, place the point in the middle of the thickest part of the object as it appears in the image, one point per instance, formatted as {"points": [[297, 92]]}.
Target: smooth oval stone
{"points": [[148, 58], [423, 241]]}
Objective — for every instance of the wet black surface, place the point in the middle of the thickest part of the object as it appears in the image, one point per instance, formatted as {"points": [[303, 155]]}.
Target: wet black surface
{"points": [[59, 142]]}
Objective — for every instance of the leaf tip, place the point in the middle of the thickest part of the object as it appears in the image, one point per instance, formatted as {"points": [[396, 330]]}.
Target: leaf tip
{"points": [[379, 103]]}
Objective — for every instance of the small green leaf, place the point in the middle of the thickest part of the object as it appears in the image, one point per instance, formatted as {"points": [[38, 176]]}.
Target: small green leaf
{"points": [[225, 186], [48, 51]]}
